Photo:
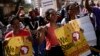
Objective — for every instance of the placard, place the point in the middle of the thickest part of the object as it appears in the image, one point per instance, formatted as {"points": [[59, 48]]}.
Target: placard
{"points": [[19, 46], [71, 39]]}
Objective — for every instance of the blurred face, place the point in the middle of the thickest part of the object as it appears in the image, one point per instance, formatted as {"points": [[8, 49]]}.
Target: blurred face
{"points": [[22, 13], [16, 24], [73, 10], [32, 14], [98, 4], [53, 16]]}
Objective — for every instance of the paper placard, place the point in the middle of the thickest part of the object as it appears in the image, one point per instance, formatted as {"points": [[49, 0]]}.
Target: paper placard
{"points": [[71, 39], [19, 46]]}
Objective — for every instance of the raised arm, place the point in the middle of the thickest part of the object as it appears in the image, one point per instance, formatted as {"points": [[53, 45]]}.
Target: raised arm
{"points": [[87, 5], [82, 3]]}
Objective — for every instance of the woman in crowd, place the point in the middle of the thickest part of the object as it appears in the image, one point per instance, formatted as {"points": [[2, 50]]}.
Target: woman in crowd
{"points": [[16, 31], [73, 13], [53, 47], [96, 12]]}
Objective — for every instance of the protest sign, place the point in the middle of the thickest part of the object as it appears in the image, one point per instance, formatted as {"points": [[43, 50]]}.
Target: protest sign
{"points": [[18, 46], [71, 39], [78, 1], [47, 4]]}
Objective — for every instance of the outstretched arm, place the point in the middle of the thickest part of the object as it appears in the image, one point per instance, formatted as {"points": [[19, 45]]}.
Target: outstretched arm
{"points": [[82, 3], [87, 5]]}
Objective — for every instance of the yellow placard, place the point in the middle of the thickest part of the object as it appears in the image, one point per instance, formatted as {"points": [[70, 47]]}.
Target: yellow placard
{"points": [[71, 39], [74, 25], [19, 46]]}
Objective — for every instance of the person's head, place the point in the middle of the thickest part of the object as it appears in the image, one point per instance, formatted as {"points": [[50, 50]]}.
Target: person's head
{"points": [[73, 9], [51, 15], [37, 12], [15, 23], [98, 4], [21, 12], [92, 3], [31, 13]]}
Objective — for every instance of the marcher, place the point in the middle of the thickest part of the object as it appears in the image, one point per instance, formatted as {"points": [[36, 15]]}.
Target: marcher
{"points": [[53, 47], [35, 22], [16, 31], [96, 12], [73, 12]]}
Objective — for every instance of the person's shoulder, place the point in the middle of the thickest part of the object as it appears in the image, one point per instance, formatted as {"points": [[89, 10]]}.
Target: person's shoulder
{"points": [[95, 8], [39, 17], [25, 32], [9, 34]]}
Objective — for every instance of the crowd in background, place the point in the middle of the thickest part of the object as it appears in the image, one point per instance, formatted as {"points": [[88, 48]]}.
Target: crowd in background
{"points": [[41, 29]]}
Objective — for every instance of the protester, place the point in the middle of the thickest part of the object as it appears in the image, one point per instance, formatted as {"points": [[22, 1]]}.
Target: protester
{"points": [[22, 16], [20, 11], [9, 27], [66, 19], [73, 12], [35, 22], [16, 31], [96, 12], [37, 12], [1, 36], [53, 47], [33, 25], [2, 30], [41, 29]]}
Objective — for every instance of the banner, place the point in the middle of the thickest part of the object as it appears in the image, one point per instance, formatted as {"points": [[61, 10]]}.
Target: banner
{"points": [[71, 39], [19, 46]]}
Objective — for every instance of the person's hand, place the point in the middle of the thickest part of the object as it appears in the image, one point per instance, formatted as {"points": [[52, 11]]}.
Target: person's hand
{"points": [[30, 38], [5, 42], [82, 30]]}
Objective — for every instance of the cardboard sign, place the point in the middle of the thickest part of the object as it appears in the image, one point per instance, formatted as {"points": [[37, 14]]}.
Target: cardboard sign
{"points": [[78, 1], [19, 46], [71, 39], [47, 4], [89, 33]]}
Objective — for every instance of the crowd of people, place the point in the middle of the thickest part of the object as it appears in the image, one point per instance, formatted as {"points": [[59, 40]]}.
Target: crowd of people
{"points": [[41, 29]]}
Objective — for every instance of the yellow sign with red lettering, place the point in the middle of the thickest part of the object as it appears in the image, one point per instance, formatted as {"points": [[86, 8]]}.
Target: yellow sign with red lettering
{"points": [[71, 39], [19, 46]]}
